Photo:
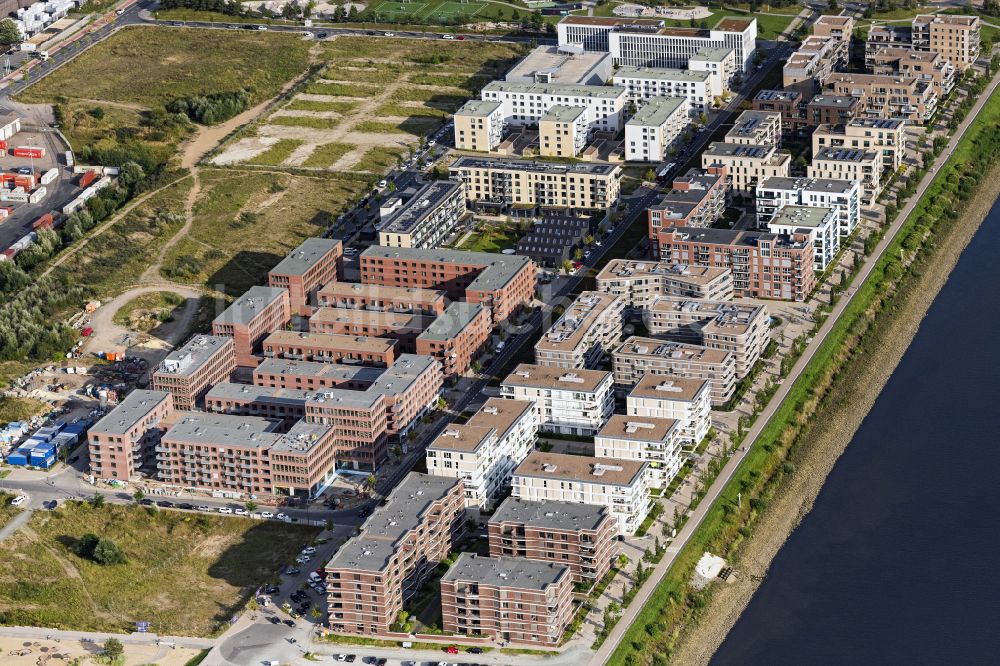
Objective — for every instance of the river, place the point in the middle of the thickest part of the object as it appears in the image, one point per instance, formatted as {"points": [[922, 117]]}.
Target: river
{"points": [[897, 561]]}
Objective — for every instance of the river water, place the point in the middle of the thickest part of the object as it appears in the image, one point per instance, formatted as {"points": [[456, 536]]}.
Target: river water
{"points": [[897, 562]]}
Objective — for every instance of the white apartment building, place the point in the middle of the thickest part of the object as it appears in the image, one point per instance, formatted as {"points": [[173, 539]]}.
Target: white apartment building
{"points": [[655, 128], [573, 402], [864, 166], [645, 83], [638, 357], [620, 485], [586, 332], [746, 165], [485, 450], [719, 62], [756, 128], [655, 441], [524, 104], [639, 282], [688, 401], [479, 125], [773, 194], [821, 224]]}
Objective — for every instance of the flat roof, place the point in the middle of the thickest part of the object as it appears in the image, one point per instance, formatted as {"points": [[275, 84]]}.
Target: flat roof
{"points": [[462, 437], [963, 20], [565, 67], [734, 23], [536, 166], [830, 185], [507, 572], [134, 408], [576, 321], [562, 466], [425, 202], [639, 346], [724, 149], [501, 413], [254, 393], [478, 108], [810, 217], [610, 21], [551, 515], [456, 318], [669, 387], [561, 113], [735, 318], [632, 268], [301, 438], [284, 366], [331, 340], [185, 361], [733, 237], [778, 95], [658, 110], [568, 89], [398, 377], [663, 74], [638, 428], [498, 269], [845, 155], [249, 305], [380, 291], [834, 100], [386, 318], [537, 376], [712, 54], [305, 256], [223, 430]]}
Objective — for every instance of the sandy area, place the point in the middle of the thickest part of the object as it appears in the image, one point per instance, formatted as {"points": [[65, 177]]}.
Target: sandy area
{"points": [[819, 451], [28, 652]]}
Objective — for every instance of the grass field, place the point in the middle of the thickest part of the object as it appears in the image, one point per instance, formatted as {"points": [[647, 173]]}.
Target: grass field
{"points": [[770, 27], [186, 574], [493, 238], [20, 409], [147, 311], [277, 153], [327, 155], [427, 10]]}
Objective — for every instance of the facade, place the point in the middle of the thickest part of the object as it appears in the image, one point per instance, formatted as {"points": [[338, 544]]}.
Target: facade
{"points": [[645, 83], [688, 401], [864, 166], [524, 104], [746, 165], [563, 131], [788, 103], [552, 64], [584, 334], [764, 265], [526, 184], [502, 283], [330, 348], [655, 441], [640, 282], [401, 326], [574, 402], [655, 129], [479, 125], [719, 62], [485, 450], [888, 97], [552, 240], [956, 38], [122, 443], [251, 317], [410, 389], [696, 199], [374, 573], [189, 371], [312, 264], [756, 128], [735, 327], [774, 194], [832, 109], [638, 357], [456, 337], [427, 219], [816, 59], [578, 536], [926, 65], [885, 136], [882, 36], [508, 599], [378, 297], [620, 485], [822, 224]]}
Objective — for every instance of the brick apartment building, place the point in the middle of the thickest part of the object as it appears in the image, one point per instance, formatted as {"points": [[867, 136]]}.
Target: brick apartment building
{"points": [[313, 376], [312, 264], [696, 199], [251, 317], [584, 334], [457, 337], [832, 109], [403, 327], [372, 575], [788, 103], [640, 282], [330, 348], [189, 371], [379, 297], [122, 442]]}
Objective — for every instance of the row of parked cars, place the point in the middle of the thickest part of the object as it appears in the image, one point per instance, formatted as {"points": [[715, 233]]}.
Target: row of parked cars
{"points": [[227, 510]]}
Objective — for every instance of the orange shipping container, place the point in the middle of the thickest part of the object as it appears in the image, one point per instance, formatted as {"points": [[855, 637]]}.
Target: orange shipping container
{"points": [[27, 182], [87, 178]]}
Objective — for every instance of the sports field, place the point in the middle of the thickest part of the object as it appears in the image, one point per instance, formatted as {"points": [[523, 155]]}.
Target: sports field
{"points": [[430, 10]]}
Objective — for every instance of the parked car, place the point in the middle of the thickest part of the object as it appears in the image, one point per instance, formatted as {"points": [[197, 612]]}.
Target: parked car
{"points": [[266, 514], [309, 550], [18, 501], [281, 516], [274, 620], [225, 509], [241, 512], [166, 504], [292, 571], [204, 508]]}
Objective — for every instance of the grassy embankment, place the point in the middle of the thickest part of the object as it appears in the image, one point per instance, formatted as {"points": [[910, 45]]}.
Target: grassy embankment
{"points": [[653, 635]]}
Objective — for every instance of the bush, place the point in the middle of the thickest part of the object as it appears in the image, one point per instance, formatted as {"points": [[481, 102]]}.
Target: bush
{"points": [[102, 550], [213, 108]]}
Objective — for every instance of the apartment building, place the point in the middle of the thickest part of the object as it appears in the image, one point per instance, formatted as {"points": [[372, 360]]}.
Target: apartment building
{"points": [[925, 65], [688, 401], [788, 103], [656, 129], [524, 104], [819, 223], [864, 166], [764, 265], [251, 317], [815, 60], [485, 450], [374, 573], [563, 131], [957, 38], [283, 405], [122, 443], [379, 297], [312, 264], [719, 62], [882, 36], [188, 372], [839, 27], [502, 283], [832, 109], [638, 357], [885, 136], [360, 424], [735, 327], [620, 485], [638, 283], [410, 389], [884, 96], [579, 536], [313, 376], [756, 128], [573, 402], [404, 327], [696, 199], [655, 441], [479, 125], [774, 194], [586, 332], [457, 337], [746, 165], [642, 84], [330, 348], [508, 599], [427, 219], [552, 64], [500, 185]]}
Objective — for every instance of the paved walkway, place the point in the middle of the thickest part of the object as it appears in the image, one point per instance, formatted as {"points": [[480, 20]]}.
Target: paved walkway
{"points": [[15, 524], [40, 633]]}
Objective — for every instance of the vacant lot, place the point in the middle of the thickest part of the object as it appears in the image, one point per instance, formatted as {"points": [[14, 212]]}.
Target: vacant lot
{"points": [[6, 510], [20, 409], [186, 574], [146, 312]]}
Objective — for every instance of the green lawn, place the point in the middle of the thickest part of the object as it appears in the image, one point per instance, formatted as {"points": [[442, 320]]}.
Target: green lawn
{"points": [[493, 238], [770, 27], [327, 155]]}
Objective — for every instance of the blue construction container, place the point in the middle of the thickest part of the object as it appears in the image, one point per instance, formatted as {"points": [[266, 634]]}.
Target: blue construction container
{"points": [[64, 440], [44, 462], [77, 428], [18, 457]]}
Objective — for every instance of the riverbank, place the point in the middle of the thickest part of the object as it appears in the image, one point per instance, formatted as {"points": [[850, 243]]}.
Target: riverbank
{"points": [[855, 392]]}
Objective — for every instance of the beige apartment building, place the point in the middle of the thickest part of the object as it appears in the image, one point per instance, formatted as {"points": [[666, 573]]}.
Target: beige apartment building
{"points": [[574, 402], [638, 357], [688, 401], [511, 600], [814, 61], [864, 166], [189, 371], [746, 165], [579, 536], [927, 65], [756, 128], [653, 440], [479, 125], [742, 329], [122, 443], [426, 219], [640, 282], [891, 96], [957, 38], [374, 573], [885, 136], [585, 333], [563, 131]]}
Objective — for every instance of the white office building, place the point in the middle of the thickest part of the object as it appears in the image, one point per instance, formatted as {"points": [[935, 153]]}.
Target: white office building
{"points": [[821, 224], [572, 402], [773, 194], [655, 128]]}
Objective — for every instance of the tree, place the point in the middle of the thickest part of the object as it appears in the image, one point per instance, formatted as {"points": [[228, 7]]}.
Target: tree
{"points": [[250, 506], [567, 266], [370, 481], [9, 33], [588, 240], [97, 501], [622, 560], [441, 403], [107, 552], [138, 495], [578, 254], [113, 649], [703, 118], [650, 175]]}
